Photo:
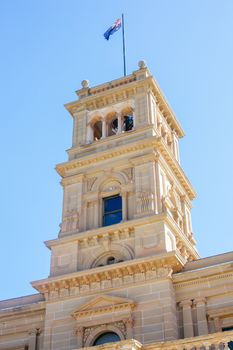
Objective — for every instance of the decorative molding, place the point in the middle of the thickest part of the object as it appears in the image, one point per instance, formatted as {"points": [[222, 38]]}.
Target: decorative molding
{"points": [[201, 279], [156, 142], [107, 277], [102, 305], [220, 312], [90, 182]]}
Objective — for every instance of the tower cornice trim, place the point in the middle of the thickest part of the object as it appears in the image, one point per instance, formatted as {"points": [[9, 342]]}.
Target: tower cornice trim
{"points": [[64, 169], [154, 267]]}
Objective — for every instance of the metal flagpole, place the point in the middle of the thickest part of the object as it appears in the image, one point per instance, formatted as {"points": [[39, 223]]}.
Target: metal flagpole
{"points": [[123, 39]]}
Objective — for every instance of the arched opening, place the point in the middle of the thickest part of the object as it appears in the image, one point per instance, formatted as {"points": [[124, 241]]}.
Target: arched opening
{"points": [[127, 119], [97, 130], [128, 123], [112, 124], [107, 337]]}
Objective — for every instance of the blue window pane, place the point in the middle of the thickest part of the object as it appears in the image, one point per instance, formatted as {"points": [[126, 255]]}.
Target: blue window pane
{"points": [[112, 204], [108, 337], [113, 218]]}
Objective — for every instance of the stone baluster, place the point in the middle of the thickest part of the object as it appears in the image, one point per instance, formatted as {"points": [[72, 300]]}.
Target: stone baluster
{"points": [[187, 318], [202, 324]]}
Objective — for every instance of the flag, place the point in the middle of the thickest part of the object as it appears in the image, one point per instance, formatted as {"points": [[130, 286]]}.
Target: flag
{"points": [[114, 28]]}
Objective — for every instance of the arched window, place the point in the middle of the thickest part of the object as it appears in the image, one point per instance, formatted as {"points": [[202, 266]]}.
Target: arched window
{"points": [[112, 124], [107, 337], [97, 130]]}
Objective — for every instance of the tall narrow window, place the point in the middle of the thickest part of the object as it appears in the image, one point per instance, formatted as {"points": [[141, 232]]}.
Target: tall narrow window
{"points": [[112, 210], [97, 130], [128, 123]]}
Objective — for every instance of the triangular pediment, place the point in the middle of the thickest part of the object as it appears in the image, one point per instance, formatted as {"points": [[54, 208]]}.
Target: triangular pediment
{"points": [[103, 304]]}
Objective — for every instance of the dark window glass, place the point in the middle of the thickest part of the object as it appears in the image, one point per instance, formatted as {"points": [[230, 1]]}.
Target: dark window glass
{"points": [[112, 204], [230, 343], [128, 123], [108, 337], [112, 213], [111, 260]]}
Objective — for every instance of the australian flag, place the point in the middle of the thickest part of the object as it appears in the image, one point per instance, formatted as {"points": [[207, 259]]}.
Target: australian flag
{"points": [[114, 28]]}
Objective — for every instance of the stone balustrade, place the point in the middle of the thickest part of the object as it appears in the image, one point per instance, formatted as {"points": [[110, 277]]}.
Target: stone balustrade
{"points": [[214, 341]]}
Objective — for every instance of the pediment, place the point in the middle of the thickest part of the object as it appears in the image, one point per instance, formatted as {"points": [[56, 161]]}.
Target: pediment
{"points": [[103, 304]]}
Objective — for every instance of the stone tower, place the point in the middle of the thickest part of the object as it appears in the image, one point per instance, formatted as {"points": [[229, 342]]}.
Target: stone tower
{"points": [[126, 222]]}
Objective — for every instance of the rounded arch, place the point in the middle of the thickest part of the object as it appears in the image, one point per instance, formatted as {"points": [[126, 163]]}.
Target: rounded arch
{"points": [[127, 116], [127, 110], [99, 255], [106, 337], [102, 182], [108, 258], [94, 128], [95, 333], [111, 123]]}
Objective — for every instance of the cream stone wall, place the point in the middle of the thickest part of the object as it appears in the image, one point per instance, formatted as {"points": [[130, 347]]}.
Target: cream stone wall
{"points": [[156, 290]]}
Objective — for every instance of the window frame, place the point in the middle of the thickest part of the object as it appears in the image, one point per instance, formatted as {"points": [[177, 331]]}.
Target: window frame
{"points": [[104, 214]]}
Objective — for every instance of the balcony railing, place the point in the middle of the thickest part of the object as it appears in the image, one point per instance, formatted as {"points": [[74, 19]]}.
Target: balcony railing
{"points": [[214, 341]]}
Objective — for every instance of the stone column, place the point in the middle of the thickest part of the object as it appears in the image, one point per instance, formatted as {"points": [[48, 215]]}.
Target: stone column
{"points": [[217, 324], [32, 339], [158, 189], [124, 206], [103, 128], [96, 212], [202, 324], [119, 126], [187, 318]]}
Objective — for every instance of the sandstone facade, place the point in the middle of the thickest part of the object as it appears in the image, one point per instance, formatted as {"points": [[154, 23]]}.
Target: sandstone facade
{"points": [[131, 270]]}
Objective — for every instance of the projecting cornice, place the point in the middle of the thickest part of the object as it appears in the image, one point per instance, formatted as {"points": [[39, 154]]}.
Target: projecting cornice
{"points": [[203, 276], [68, 168], [112, 276]]}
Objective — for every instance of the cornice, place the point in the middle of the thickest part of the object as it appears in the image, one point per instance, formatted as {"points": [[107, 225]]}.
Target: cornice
{"points": [[220, 312], [64, 169], [128, 272], [24, 310], [203, 275], [124, 230]]}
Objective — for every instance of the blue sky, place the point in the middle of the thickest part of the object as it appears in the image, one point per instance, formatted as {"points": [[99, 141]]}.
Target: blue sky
{"points": [[47, 48]]}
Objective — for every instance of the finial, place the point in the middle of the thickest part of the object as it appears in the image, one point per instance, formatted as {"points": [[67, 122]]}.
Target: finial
{"points": [[85, 84], [142, 64]]}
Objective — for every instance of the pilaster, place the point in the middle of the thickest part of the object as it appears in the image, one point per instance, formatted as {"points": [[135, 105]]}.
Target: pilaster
{"points": [[186, 306], [202, 324]]}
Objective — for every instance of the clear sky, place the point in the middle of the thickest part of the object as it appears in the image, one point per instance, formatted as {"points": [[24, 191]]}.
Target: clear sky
{"points": [[47, 48]]}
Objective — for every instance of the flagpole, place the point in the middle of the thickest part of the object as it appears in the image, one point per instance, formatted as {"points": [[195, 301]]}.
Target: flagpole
{"points": [[123, 42]]}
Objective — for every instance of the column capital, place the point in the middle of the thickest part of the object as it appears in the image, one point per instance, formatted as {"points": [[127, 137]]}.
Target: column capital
{"points": [[199, 301], [186, 303]]}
